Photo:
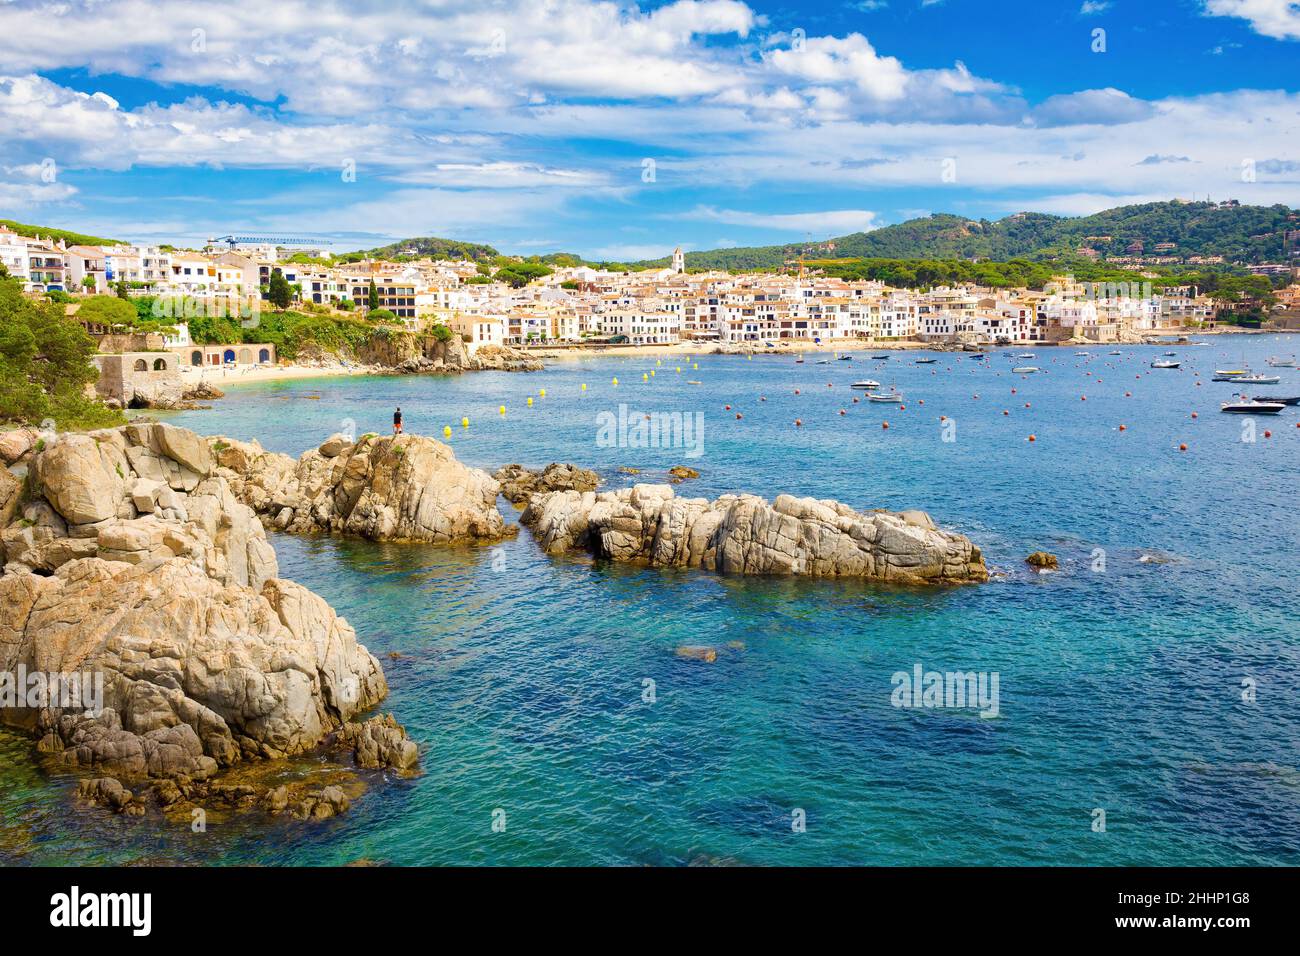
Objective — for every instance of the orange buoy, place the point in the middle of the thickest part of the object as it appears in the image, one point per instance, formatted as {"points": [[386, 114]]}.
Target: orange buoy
{"points": [[1005, 412], [1033, 438], [1123, 428], [1268, 434], [884, 424], [1182, 447], [842, 412], [1128, 394], [1013, 391], [943, 418], [1026, 404], [920, 401], [726, 408], [830, 384], [798, 422], [738, 416], [1083, 398], [796, 391], [1194, 415]]}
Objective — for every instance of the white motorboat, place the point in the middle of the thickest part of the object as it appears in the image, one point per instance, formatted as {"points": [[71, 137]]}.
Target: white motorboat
{"points": [[1257, 379], [865, 384], [1024, 355], [1025, 369], [1117, 352], [1249, 407], [1084, 354], [880, 358], [926, 361], [1165, 364], [891, 397], [1276, 362]]}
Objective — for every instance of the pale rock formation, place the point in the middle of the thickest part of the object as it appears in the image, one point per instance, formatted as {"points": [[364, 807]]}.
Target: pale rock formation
{"points": [[133, 561], [390, 488], [744, 534]]}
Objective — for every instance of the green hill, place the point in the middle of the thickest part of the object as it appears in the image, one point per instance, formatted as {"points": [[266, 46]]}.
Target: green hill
{"points": [[1244, 234], [71, 238], [421, 246]]}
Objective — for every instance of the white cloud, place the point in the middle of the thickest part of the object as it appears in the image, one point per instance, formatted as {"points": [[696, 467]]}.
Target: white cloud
{"points": [[1094, 6], [831, 222], [1279, 19], [1108, 106]]}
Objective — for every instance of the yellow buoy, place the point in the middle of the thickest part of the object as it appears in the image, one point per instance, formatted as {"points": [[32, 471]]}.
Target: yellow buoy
{"points": [[616, 381], [502, 409], [679, 370], [645, 377], [652, 371], [464, 423], [446, 431], [541, 392], [584, 386], [530, 400], [696, 365], [659, 361]]}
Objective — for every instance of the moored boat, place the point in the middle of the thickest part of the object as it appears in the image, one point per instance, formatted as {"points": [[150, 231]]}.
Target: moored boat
{"points": [[1279, 399], [890, 397], [1257, 379], [1025, 369], [926, 361], [1165, 364], [865, 384], [1277, 362], [1252, 407]]}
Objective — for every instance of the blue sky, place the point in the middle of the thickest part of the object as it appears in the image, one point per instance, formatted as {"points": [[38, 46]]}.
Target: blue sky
{"points": [[619, 130]]}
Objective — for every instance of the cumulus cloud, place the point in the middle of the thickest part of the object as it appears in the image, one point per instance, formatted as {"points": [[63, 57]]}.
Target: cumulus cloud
{"points": [[1279, 19], [1108, 106], [831, 222]]}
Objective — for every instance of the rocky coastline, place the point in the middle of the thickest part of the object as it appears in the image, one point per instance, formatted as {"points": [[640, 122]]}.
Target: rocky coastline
{"points": [[140, 553], [127, 557]]}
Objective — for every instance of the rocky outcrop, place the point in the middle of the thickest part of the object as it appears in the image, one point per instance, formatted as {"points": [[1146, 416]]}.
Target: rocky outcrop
{"points": [[519, 484], [390, 488], [420, 352], [380, 742], [14, 445], [1043, 561], [134, 566], [744, 534]]}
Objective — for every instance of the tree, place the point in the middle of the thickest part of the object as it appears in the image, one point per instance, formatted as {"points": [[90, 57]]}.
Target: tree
{"points": [[372, 298], [123, 290], [278, 291], [45, 364], [88, 282], [107, 310]]}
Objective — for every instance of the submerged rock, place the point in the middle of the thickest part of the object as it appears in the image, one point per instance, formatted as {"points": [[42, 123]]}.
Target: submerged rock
{"points": [[744, 534], [1043, 561]]}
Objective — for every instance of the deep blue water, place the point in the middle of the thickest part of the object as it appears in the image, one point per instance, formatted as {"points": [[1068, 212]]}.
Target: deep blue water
{"points": [[522, 675]]}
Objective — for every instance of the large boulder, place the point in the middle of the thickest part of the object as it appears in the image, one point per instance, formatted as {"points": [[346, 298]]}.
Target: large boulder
{"points": [[196, 674], [134, 564], [744, 534], [390, 488]]}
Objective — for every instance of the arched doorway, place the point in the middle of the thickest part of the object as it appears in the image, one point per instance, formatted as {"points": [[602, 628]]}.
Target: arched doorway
{"points": [[160, 365], [196, 358], [228, 355], [245, 357], [141, 365], [264, 355]]}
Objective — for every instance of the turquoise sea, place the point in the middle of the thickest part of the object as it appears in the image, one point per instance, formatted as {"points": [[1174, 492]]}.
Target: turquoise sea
{"points": [[523, 676]]}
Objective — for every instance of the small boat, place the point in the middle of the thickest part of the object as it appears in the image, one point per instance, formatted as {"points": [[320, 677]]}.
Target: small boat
{"points": [[1117, 352], [1164, 364], [845, 358], [1257, 379], [1170, 354], [865, 384], [1084, 354], [1228, 373], [1248, 407], [1025, 355], [1025, 369], [823, 361], [977, 355], [693, 382], [1275, 362], [881, 358], [890, 397], [798, 361], [1288, 400], [926, 361]]}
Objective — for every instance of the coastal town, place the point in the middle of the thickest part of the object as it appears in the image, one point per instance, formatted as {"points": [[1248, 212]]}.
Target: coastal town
{"points": [[567, 307]]}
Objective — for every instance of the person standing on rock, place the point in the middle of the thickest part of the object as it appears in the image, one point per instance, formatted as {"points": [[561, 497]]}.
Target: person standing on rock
{"points": [[397, 421]]}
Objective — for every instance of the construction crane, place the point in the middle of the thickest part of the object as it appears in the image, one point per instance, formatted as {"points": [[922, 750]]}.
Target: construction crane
{"points": [[233, 241]]}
